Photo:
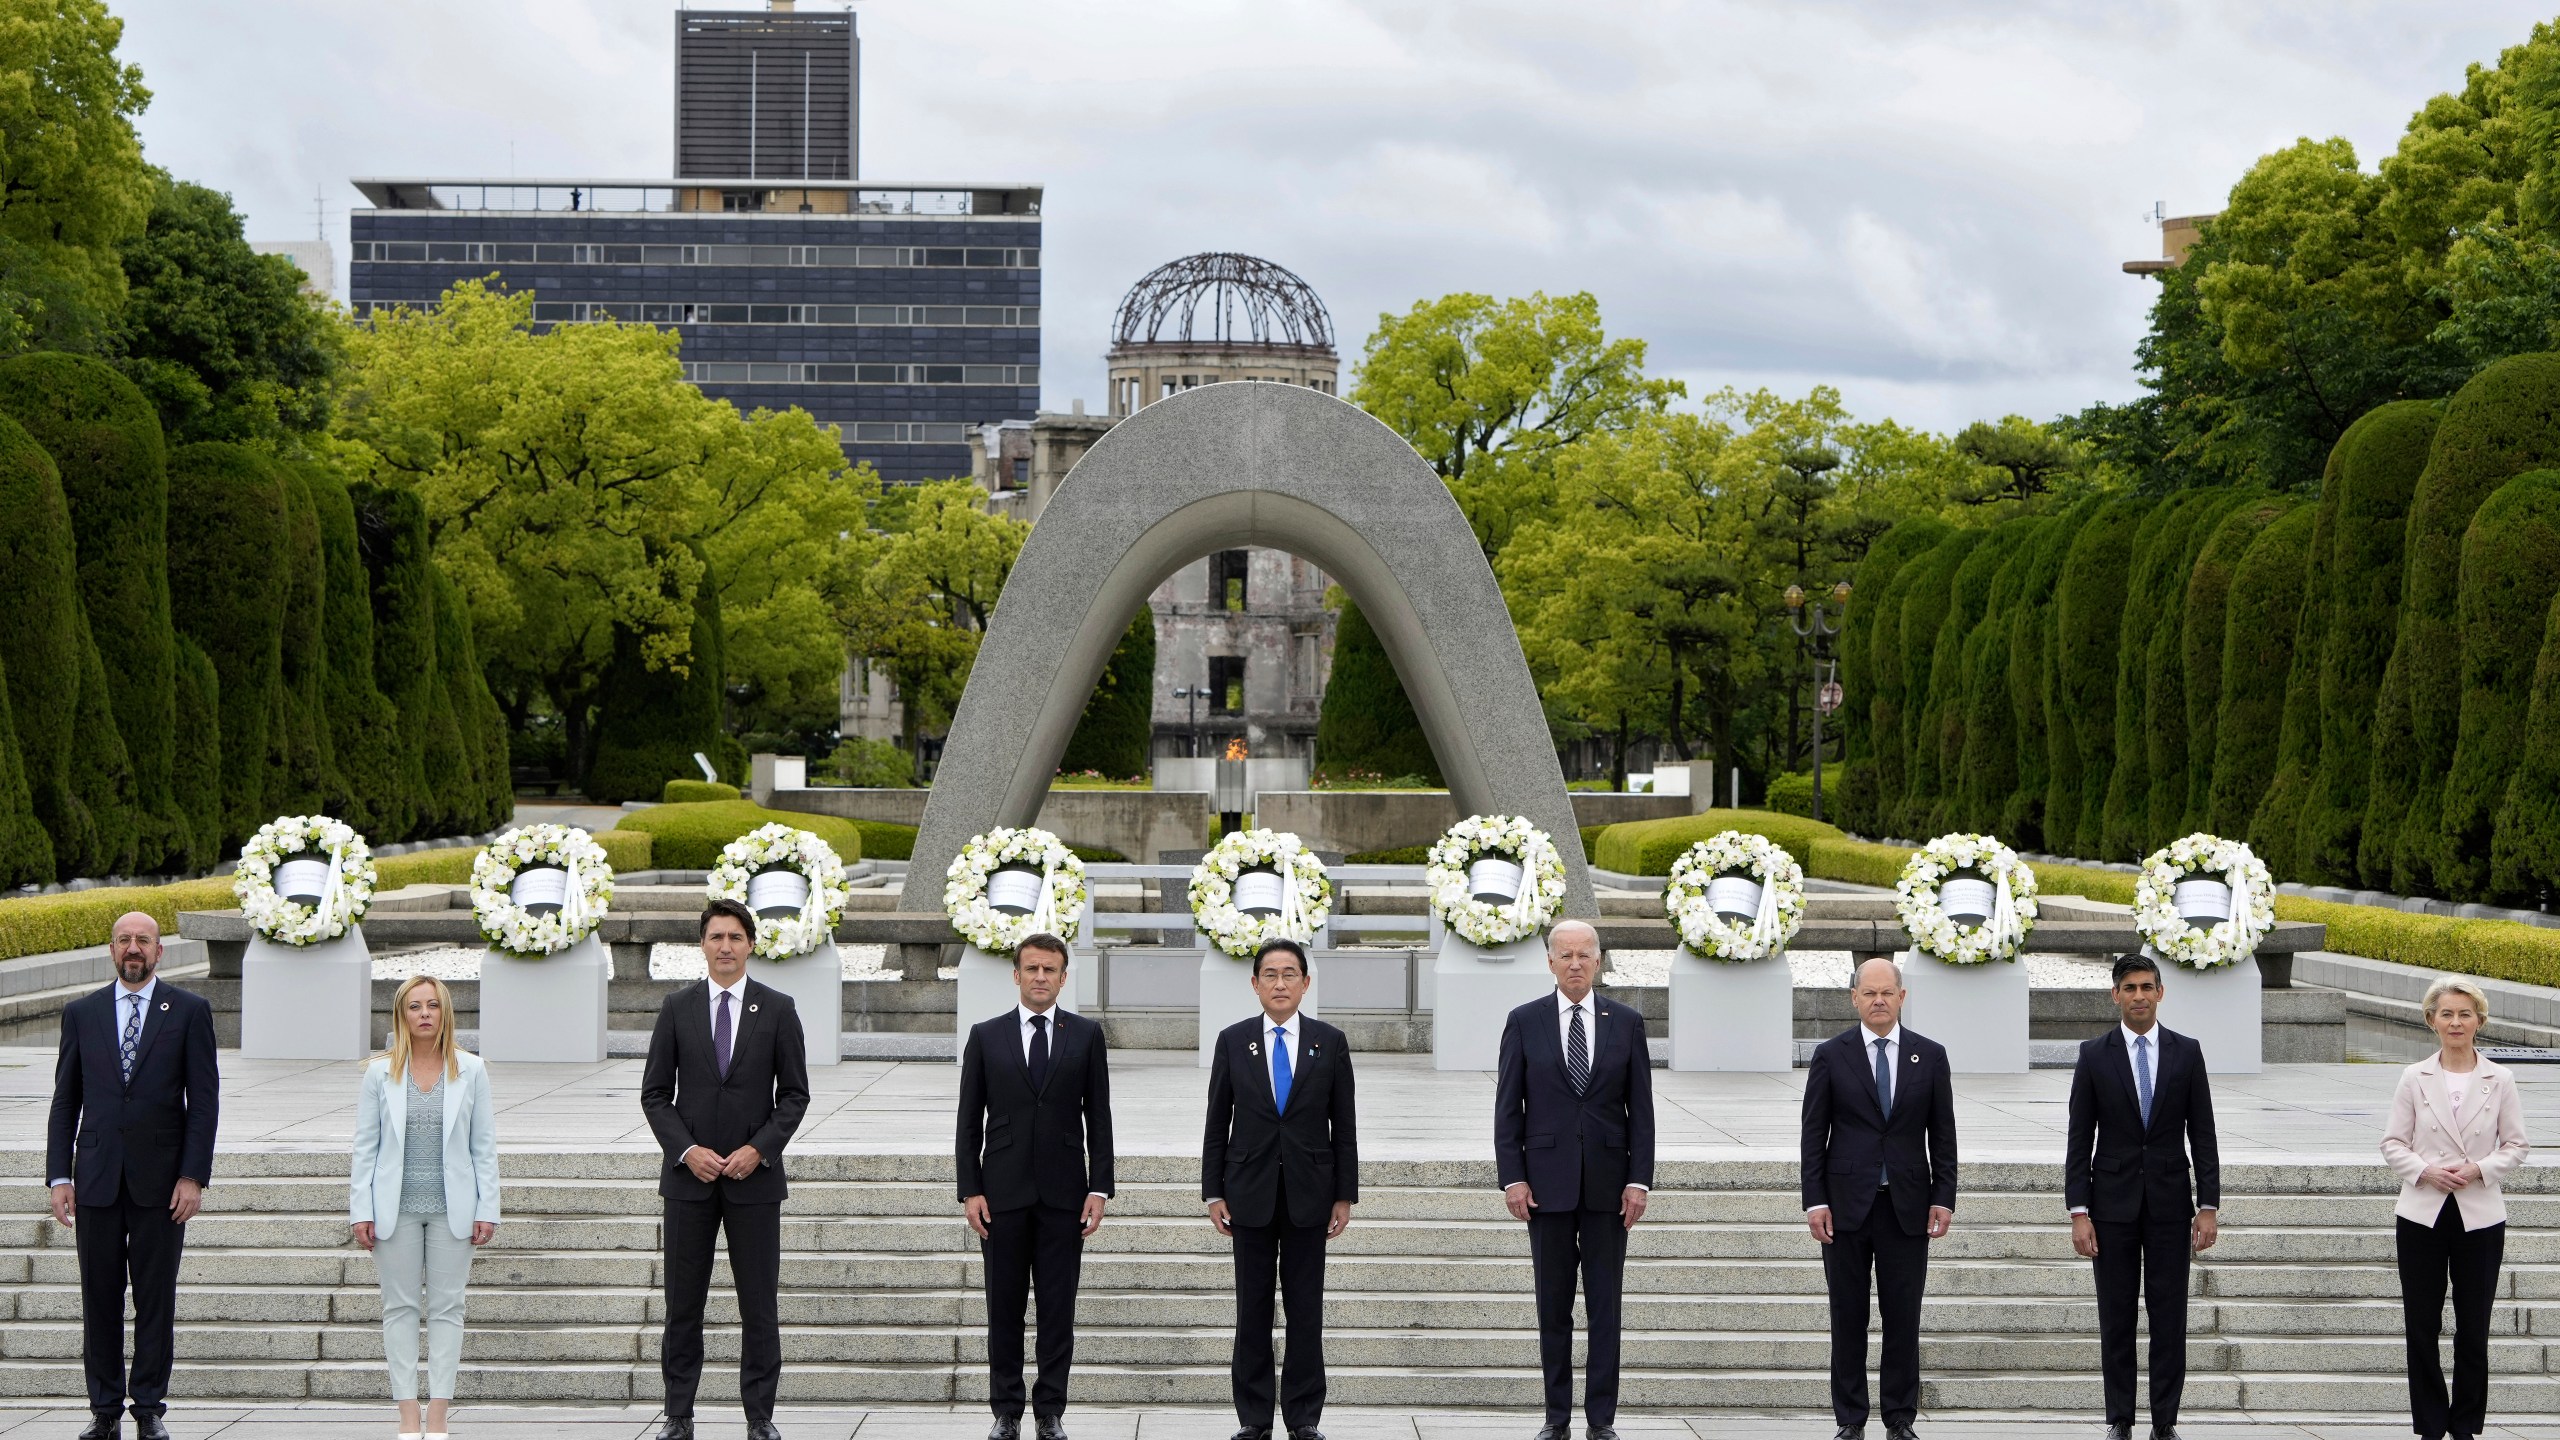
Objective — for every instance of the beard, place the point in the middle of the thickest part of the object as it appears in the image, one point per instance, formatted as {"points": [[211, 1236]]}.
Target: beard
{"points": [[133, 970]]}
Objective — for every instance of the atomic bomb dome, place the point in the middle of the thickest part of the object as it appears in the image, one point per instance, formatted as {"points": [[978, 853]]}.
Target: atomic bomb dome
{"points": [[1218, 316]]}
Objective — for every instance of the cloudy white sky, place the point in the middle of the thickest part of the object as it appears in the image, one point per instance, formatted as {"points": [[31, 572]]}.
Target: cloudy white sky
{"points": [[1925, 204]]}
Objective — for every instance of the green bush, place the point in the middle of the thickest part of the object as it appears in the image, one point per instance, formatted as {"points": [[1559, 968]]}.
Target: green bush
{"points": [[2504, 421], [302, 778], [1866, 639], [1792, 794], [1926, 603], [1591, 842], [26, 852], [490, 796], [651, 722], [195, 771], [107, 448], [2510, 572], [1367, 722], [1647, 847], [102, 772], [401, 581], [690, 836], [2031, 675], [40, 646], [2087, 621], [363, 725], [887, 839], [2264, 604], [2203, 628], [227, 594], [2524, 854], [1888, 708], [870, 764], [2278, 819], [1392, 855], [2159, 550], [691, 792], [1116, 733], [2375, 470], [1947, 721], [1980, 781], [2164, 699]]}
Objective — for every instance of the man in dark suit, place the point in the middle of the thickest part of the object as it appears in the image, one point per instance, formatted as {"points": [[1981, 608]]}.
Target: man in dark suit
{"points": [[726, 1083], [1879, 1185], [1573, 1151], [129, 1150], [2140, 1102], [1034, 1152], [1280, 1170]]}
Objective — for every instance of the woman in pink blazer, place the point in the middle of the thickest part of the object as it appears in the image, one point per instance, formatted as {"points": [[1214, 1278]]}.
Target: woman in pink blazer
{"points": [[2457, 1130]]}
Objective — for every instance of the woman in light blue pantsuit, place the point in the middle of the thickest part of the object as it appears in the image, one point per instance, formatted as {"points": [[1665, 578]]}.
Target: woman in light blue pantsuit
{"points": [[424, 1191]]}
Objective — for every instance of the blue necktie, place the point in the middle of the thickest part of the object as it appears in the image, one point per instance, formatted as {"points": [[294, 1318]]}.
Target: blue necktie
{"points": [[1884, 1100], [2142, 1075], [132, 1034], [1280, 1066]]}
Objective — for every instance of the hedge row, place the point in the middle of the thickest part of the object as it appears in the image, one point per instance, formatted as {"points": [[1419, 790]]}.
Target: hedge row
{"points": [[690, 836], [1647, 847]]}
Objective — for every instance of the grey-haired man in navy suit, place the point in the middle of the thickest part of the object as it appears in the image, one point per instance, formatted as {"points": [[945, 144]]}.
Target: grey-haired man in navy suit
{"points": [[1573, 1150]]}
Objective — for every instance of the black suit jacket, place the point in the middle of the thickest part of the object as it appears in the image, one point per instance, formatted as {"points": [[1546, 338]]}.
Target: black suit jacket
{"points": [[1848, 1142], [1018, 1146], [2115, 1165], [1256, 1157], [1576, 1151], [759, 1103], [117, 1140]]}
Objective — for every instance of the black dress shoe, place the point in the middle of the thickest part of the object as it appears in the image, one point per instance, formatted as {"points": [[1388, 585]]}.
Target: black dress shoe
{"points": [[1899, 1432], [2163, 1432], [1556, 1432], [1308, 1433], [149, 1427], [109, 1426], [1007, 1427], [1850, 1432], [1251, 1432], [1050, 1427], [676, 1427], [763, 1430], [1600, 1432], [2119, 1432]]}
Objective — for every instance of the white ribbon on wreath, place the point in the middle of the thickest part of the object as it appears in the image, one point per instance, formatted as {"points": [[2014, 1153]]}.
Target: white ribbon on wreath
{"points": [[1293, 909], [1934, 932]]}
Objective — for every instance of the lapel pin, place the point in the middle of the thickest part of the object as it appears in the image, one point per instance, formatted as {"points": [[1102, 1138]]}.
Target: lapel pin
{"points": [[751, 1009], [1253, 1047], [164, 1004]]}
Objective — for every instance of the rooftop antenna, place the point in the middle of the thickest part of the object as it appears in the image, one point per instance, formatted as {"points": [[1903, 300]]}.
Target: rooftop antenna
{"points": [[2159, 212], [319, 218]]}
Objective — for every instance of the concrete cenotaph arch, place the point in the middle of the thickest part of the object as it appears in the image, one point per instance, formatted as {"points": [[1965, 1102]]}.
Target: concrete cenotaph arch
{"points": [[1218, 468]]}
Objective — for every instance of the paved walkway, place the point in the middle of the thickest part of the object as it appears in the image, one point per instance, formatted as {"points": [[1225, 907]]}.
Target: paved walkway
{"points": [[478, 1423], [1408, 1111]]}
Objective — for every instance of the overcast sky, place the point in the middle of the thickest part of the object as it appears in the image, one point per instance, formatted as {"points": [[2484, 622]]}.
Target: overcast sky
{"points": [[1925, 205]]}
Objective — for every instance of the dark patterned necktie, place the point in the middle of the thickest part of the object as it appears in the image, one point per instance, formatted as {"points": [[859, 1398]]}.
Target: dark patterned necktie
{"points": [[132, 1034], [1577, 1055], [1039, 1052], [720, 1035]]}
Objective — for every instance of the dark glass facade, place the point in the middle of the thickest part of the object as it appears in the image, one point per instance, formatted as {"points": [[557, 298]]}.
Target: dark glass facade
{"points": [[902, 331]]}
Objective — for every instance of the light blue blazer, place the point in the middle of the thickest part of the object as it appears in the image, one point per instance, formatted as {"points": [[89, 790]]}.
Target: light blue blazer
{"points": [[470, 1149]]}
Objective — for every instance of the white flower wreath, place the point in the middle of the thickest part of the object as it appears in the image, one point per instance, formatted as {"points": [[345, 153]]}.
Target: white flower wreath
{"points": [[1933, 933], [1702, 930], [779, 846], [1508, 837], [2167, 934], [344, 896], [1059, 910], [1307, 897], [516, 931]]}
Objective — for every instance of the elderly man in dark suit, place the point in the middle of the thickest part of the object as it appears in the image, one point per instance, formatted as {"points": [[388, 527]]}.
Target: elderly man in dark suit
{"points": [[1280, 1171], [2140, 1101], [1573, 1151], [129, 1149], [725, 1085], [1034, 1154], [1879, 1185]]}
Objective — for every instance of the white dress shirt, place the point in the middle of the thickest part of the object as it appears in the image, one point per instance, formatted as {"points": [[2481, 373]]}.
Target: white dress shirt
{"points": [[124, 1006], [1022, 1021], [1590, 1003], [1271, 1058], [1892, 1059], [2135, 1061]]}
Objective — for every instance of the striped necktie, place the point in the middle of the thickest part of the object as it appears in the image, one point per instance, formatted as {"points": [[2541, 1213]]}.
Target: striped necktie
{"points": [[1577, 1055]]}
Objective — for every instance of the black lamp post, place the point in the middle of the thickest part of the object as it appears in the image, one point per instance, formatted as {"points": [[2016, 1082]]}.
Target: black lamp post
{"points": [[1818, 624]]}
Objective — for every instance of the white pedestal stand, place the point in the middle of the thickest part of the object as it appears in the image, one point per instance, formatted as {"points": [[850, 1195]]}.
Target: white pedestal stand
{"points": [[2221, 1010], [986, 991], [307, 1002], [547, 1009], [1473, 993], [1226, 996], [1979, 1012], [1727, 1016], [815, 983]]}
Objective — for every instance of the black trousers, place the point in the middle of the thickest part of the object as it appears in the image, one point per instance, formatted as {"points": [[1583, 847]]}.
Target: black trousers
{"points": [[1294, 1256], [2428, 1255], [1593, 1245], [1038, 1246], [1899, 1263], [116, 1243], [2135, 1256], [693, 1228]]}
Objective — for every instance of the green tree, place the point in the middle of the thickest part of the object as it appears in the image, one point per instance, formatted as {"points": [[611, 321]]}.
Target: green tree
{"points": [[1116, 734], [2089, 606], [363, 725], [2510, 572], [2021, 462], [400, 575], [2205, 627], [302, 772], [73, 185], [1367, 723], [2261, 615], [227, 592], [2165, 712], [2277, 824], [2159, 549], [195, 770], [2031, 679], [927, 586], [26, 852], [1946, 722], [1868, 646], [2524, 852], [1989, 772]]}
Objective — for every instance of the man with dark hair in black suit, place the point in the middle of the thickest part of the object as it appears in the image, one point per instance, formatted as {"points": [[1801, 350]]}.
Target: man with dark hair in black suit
{"points": [[1280, 1170], [1573, 1152], [1879, 1185], [2139, 1102], [726, 1083], [129, 1149], [1034, 1152]]}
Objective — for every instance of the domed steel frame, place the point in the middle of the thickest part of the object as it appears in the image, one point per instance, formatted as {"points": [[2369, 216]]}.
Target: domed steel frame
{"points": [[1247, 301]]}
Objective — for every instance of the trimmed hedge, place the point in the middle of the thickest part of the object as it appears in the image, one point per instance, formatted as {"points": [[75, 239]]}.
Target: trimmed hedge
{"points": [[1927, 599], [102, 772], [2278, 819], [1946, 726], [486, 793], [2510, 572], [40, 644], [2158, 548], [887, 839], [363, 725], [690, 836], [26, 852], [2031, 674], [2525, 854], [2164, 691], [650, 723], [2504, 421], [1647, 847], [107, 447], [2088, 618], [1859, 663], [694, 792], [1791, 794], [1393, 855], [195, 771], [2204, 627], [1987, 774], [391, 533], [1367, 722], [227, 594], [1116, 734], [2264, 606], [302, 779]]}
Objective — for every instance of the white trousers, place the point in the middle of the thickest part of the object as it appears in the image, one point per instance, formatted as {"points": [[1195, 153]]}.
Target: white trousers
{"points": [[422, 1254]]}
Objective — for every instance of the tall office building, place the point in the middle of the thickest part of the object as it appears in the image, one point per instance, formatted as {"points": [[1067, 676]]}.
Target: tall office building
{"points": [[903, 312]]}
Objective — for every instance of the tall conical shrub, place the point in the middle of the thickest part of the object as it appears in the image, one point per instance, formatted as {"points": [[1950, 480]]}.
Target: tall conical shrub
{"points": [[487, 795], [302, 774], [1947, 722], [26, 852], [2088, 622], [2510, 572], [391, 531], [2264, 607], [364, 727], [2158, 548], [2031, 682], [2164, 691], [1366, 722], [1924, 611], [2503, 422], [106, 445], [2277, 822], [101, 771], [2525, 852], [41, 643], [651, 723], [2206, 625], [227, 589], [1867, 638], [1116, 734], [1989, 770], [195, 768]]}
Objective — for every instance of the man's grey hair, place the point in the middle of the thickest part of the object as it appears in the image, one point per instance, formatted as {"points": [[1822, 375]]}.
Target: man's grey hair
{"points": [[1562, 926], [1887, 961]]}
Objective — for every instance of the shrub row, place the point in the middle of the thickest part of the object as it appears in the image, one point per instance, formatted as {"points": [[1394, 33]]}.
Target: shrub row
{"points": [[690, 836]]}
